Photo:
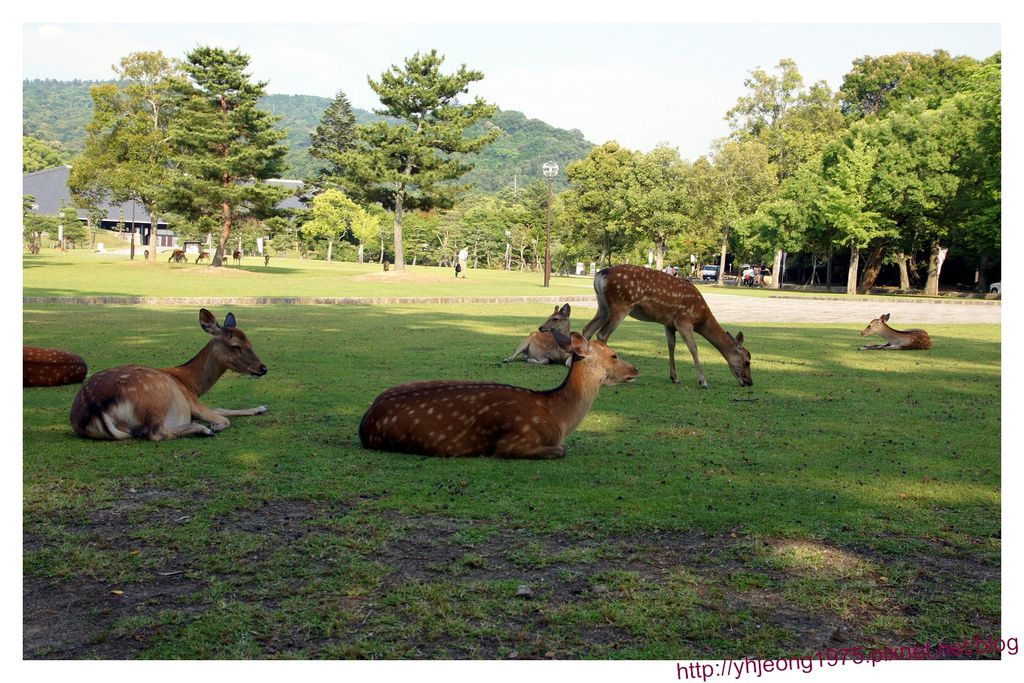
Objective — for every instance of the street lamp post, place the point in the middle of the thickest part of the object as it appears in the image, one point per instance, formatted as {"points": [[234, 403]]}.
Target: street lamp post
{"points": [[550, 170]]}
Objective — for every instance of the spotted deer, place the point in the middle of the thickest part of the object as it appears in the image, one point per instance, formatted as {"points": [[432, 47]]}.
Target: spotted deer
{"points": [[178, 256], [203, 256], [896, 340], [132, 401], [653, 296], [541, 347], [458, 419]]}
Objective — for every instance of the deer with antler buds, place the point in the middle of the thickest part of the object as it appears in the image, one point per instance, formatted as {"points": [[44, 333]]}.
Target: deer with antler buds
{"points": [[896, 340], [132, 401], [657, 297]]}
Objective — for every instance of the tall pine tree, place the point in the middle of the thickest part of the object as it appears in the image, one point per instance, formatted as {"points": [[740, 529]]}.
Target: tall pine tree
{"points": [[334, 136], [411, 164], [224, 145]]}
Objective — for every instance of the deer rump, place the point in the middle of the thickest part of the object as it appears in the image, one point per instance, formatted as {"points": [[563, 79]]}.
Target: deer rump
{"points": [[114, 405], [459, 419]]}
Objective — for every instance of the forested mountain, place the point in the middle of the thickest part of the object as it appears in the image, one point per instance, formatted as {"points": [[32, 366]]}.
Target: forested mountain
{"points": [[57, 112]]}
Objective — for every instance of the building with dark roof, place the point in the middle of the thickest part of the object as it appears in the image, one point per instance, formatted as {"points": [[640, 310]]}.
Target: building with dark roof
{"points": [[49, 188]]}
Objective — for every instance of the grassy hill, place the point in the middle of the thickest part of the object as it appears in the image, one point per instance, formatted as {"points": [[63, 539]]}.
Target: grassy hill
{"points": [[57, 111]]}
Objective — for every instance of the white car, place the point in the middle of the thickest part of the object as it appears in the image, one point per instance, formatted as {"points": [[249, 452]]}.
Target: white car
{"points": [[996, 288]]}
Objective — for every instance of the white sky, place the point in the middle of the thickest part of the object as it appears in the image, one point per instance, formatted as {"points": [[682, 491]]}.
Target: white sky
{"points": [[640, 84]]}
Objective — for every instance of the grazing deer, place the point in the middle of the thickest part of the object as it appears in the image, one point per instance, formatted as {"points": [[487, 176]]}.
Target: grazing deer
{"points": [[236, 257], [541, 347], [178, 256], [203, 256], [51, 367], [33, 248], [653, 296], [60, 248], [457, 419], [133, 401], [905, 340]]}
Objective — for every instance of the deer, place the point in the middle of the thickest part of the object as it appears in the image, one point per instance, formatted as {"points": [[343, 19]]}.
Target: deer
{"points": [[236, 257], [203, 256], [42, 367], [266, 260], [896, 340], [133, 401], [465, 418], [653, 296], [540, 347], [178, 256], [33, 248]]}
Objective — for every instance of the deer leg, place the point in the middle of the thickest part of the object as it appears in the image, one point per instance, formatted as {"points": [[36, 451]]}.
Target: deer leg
{"points": [[165, 434], [877, 347], [597, 322], [670, 337], [519, 351], [691, 343], [241, 412], [506, 449], [612, 321]]}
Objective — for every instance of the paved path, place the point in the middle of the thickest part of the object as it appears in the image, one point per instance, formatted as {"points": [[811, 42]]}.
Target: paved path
{"points": [[728, 308]]}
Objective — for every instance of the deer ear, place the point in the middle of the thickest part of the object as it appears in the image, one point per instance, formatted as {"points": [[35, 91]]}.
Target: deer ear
{"points": [[565, 310], [208, 322], [230, 320], [563, 341], [884, 318], [580, 345], [739, 339], [556, 309]]}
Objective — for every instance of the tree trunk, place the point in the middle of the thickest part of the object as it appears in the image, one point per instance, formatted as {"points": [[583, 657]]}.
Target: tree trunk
{"points": [[659, 254], [902, 259], [399, 251], [872, 266], [225, 233], [330, 248], [851, 274], [721, 260], [154, 218], [360, 252], [828, 272], [935, 259], [777, 270], [981, 279]]}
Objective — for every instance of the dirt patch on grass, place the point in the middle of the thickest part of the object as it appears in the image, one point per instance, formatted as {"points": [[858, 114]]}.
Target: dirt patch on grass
{"points": [[503, 592]]}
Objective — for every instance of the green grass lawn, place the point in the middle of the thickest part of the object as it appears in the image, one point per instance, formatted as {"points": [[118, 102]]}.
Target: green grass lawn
{"points": [[846, 499]]}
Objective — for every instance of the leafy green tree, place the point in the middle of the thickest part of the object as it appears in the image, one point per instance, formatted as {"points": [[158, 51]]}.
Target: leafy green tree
{"points": [[224, 144], [74, 231], [656, 201], [411, 164], [37, 154], [876, 85], [331, 214], [595, 204], [126, 152], [849, 170]]}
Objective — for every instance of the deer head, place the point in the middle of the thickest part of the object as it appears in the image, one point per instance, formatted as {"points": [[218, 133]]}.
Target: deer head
{"points": [[739, 361], [230, 347], [596, 358], [875, 326], [559, 320]]}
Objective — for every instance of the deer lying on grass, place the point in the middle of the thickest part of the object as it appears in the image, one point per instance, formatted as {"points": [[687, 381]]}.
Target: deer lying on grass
{"points": [[203, 256], [133, 401], [541, 347], [236, 257], [178, 256], [51, 367], [457, 419], [897, 340], [653, 296]]}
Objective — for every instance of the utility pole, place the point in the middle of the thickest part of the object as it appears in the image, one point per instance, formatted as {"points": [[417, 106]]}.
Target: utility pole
{"points": [[550, 170]]}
